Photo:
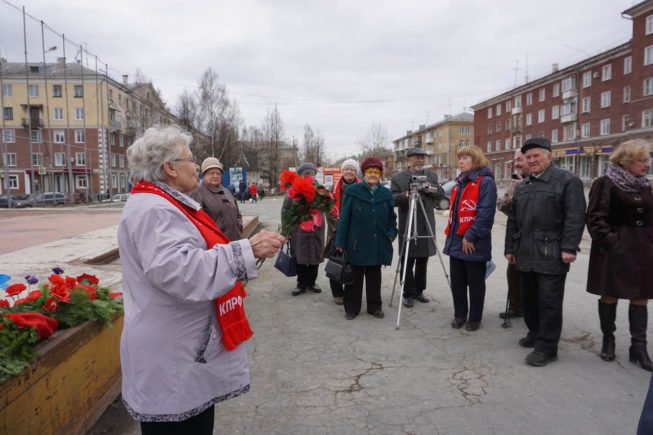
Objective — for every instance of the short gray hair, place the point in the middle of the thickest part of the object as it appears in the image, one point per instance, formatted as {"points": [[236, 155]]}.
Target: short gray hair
{"points": [[148, 153]]}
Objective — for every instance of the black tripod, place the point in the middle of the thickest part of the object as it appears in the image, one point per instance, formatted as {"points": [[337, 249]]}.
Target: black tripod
{"points": [[411, 235]]}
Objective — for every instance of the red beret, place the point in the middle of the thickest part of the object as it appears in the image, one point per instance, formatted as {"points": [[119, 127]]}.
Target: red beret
{"points": [[371, 162]]}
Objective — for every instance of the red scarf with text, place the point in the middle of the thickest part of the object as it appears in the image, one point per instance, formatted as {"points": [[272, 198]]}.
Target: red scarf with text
{"points": [[229, 307], [339, 190], [466, 206]]}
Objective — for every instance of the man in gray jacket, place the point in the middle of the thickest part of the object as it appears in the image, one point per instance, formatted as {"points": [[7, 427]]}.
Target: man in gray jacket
{"points": [[421, 249], [545, 226]]}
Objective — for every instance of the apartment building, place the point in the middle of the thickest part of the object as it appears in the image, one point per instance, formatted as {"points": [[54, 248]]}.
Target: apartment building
{"points": [[66, 127], [585, 110], [440, 141]]}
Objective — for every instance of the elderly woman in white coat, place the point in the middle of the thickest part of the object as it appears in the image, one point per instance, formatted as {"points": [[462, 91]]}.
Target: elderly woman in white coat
{"points": [[181, 348]]}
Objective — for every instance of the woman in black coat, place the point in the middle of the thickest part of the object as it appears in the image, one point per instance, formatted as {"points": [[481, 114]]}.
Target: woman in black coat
{"points": [[620, 222]]}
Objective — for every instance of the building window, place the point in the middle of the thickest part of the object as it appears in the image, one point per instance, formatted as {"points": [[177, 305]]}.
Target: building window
{"points": [[58, 113], [567, 108], [60, 159], [626, 123], [648, 87], [529, 118], [79, 113], [542, 94], [570, 132], [554, 135], [59, 136], [518, 101], [13, 182], [585, 130], [529, 98], [497, 127], [628, 64], [556, 90], [506, 145], [605, 126], [587, 79], [586, 104], [555, 112], [80, 159], [498, 109], [508, 106], [647, 118], [540, 115], [114, 181], [489, 146], [627, 94], [81, 182], [7, 90], [56, 91], [489, 113], [37, 136], [33, 91], [606, 72], [8, 113], [648, 55], [649, 24], [9, 136], [508, 123], [498, 144], [605, 99], [113, 161], [461, 143], [112, 138], [429, 137], [568, 84], [80, 136], [37, 159], [79, 91], [9, 159]]}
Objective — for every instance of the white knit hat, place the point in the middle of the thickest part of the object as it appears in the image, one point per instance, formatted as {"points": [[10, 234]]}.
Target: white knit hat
{"points": [[350, 162]]}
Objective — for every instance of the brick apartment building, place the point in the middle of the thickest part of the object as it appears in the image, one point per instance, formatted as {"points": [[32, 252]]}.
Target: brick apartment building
{"points": [[585, 110], [66, 127], [440, 141]]}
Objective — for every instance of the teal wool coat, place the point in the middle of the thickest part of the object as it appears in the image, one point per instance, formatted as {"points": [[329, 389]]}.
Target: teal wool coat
{"points": [[368, 225]]}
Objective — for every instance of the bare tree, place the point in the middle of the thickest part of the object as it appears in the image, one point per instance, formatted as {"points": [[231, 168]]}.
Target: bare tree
{"points": [[313, 146], [273, 132], [213, 101], [375, 140], [187, 110], [140, 77]]}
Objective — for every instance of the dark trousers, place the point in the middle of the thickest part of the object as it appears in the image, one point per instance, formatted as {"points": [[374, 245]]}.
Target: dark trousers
{"points": [[464, 275], [354, 292], [201, 424], [306, 275], [337, 289], [645, 425], [514, 291], [542, 297], [415, 276]]}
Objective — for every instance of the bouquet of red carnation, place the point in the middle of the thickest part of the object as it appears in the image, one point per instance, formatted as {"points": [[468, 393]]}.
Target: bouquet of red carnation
{"points": [[309, 200]]}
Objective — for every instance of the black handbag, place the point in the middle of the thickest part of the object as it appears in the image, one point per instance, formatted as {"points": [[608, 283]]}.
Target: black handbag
{"points": [[285, 262], [338, 269]]}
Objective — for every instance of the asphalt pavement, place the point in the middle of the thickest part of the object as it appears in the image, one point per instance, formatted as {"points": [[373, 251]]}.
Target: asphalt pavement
{"points": [[313, 372]]}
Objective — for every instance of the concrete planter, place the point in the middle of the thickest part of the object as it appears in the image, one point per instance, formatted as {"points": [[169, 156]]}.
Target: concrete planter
{"points": [[75, 377]]}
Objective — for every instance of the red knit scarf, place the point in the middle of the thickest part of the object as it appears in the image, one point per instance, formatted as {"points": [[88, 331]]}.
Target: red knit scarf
{"points": [[229, 307]]}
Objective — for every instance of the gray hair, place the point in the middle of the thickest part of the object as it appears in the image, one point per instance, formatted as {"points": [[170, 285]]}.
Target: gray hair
{"points": [[148, 153]]}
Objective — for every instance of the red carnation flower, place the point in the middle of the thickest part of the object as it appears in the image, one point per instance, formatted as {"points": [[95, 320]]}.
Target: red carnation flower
{"points": [[43, 324], [91, 279], [305, 188], [51, 305], [56, 279], [4, 303], [34, 295], [287, 177], [71, 282], [90, 291], [115, 294], [15, 289], [60, 292]]}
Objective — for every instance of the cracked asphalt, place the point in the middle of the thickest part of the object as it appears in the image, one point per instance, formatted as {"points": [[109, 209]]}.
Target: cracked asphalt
{"points": [[313, 372]]}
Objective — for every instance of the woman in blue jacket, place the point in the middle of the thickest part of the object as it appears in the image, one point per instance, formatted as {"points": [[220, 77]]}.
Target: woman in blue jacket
{"points": [[469, 243], [367, 228]]}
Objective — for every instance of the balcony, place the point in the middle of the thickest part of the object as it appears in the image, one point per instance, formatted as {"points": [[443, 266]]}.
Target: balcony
{"points": [[516, 129], [115, 125], [570, 117], [569, 93], [516, 110], [36, 123]]}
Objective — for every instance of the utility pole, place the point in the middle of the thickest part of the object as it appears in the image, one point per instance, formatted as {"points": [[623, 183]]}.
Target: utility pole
{"points": [[29, 107]]}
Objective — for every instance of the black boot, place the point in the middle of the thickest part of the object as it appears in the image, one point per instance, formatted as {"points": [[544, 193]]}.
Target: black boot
{"points": [[607, 315], [638, 317]]}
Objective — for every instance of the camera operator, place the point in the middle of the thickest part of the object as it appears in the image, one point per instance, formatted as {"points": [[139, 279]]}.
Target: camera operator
{"points": [[425, 182]]}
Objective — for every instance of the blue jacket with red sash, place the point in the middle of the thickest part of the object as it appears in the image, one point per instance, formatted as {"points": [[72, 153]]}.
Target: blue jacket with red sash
{"points": [[471, 215]]}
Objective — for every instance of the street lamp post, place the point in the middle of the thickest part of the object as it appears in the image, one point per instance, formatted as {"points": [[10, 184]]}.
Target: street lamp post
{"points": [[47, 109]]}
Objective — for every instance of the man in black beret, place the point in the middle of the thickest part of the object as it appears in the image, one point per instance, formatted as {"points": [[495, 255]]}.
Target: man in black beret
{"points": [[545, 226], [419, 252]]}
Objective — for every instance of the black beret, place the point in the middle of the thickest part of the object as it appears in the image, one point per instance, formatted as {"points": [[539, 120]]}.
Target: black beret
{"points": [[415, 152], [536, 142]]}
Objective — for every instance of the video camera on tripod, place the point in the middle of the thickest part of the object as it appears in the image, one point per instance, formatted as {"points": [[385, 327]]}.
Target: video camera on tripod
{"points": [[419, 182]]}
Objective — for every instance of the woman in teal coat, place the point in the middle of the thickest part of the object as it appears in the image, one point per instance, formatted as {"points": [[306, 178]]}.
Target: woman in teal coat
{"points": [[367, 228]]}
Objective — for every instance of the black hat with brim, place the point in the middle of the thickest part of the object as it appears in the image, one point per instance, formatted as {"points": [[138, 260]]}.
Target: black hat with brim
{"points": [[536, 142], [415, 152]]}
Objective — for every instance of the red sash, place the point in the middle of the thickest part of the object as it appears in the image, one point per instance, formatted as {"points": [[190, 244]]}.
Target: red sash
{"points": [[466, 206], [229, 307], [338, 190]]}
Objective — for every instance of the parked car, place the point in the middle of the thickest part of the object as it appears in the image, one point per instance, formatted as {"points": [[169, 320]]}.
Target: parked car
{"points": [[4, 200], [81, 197], [443, 204], [41, 199], [120, 197]]}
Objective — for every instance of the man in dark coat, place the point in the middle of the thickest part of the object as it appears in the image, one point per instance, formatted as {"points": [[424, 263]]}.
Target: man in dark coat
{"points": [[545, 226], [420, 249]]}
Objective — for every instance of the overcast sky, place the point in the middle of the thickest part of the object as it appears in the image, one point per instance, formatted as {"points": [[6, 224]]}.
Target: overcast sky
{"points": [[337, 65]]}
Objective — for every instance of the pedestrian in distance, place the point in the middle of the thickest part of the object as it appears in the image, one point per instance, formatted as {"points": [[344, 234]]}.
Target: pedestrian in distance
{"points": [[253, 192], [424, 247], [366, 230], [545, 226], [242, 191], [182, 345], [620, 222], [520, 172], [469, 235], [217, 201]]}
